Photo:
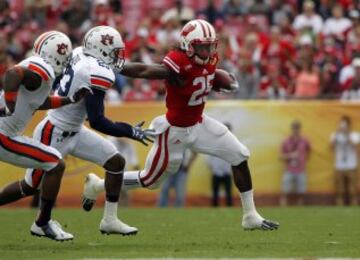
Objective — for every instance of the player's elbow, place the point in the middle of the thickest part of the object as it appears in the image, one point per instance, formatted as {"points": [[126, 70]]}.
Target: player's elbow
{"points": [[95, 123]]}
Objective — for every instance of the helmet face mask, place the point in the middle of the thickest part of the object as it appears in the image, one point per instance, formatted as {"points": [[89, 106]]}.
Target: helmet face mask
{"points": [[118, 58], [204, 50], [105, 44], [198, 40]]}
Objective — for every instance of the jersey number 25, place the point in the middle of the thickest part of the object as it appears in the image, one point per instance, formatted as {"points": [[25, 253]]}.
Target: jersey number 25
{"points": [[199, 96]]}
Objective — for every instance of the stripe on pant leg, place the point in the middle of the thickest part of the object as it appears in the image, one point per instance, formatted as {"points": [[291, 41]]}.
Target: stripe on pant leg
{"points": [[36, 177], [46, 135], [165, 162], [155, 160], [27, 150]]}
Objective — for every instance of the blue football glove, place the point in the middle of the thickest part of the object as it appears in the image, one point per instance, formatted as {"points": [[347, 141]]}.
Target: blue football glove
{"points": [[143, 135]]}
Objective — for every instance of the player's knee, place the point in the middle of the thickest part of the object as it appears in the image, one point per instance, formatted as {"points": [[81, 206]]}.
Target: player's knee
{"points": [[242, 154], [59, 168], [115, 164]]}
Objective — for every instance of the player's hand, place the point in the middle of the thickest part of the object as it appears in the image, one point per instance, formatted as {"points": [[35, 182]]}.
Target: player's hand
{"points": [[4, 112], [80, 94], [143, 135], [234, 87]]}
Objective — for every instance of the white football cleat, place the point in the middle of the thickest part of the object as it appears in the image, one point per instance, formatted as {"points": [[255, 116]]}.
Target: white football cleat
{"points": [[116, 226], [52, 230], [90, 194], [253, 221]]}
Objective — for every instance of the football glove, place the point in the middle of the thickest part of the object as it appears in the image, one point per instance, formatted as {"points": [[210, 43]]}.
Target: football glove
{"points": [[143, 135]]}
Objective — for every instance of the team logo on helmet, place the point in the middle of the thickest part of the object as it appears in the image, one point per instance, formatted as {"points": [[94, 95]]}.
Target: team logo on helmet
{"points": [[107, 39], [188, 29], [62, 48]]}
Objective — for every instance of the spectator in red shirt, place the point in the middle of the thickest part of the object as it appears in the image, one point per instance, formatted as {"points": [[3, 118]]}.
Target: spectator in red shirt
{"points": [[287, 31], [273, 85], [295, 152], [278, 51], [330, 65]]}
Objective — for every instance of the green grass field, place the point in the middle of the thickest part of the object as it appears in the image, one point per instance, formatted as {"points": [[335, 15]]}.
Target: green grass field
{"points": [[202, 232]]}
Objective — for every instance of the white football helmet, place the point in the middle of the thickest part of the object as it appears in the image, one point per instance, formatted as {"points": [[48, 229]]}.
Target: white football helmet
{"points": [[55, 49], [198, 39], [105, 43]]}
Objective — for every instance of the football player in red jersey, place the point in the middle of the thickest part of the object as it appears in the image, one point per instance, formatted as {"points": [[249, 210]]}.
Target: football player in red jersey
{"points": [[189, 72]]}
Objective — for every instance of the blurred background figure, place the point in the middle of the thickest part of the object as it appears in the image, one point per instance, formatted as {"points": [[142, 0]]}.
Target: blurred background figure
{"points": [[345, 144], [350, 80], [177, 182], [127, 149], [308, 20], [295, 152], [307, 81], [221, 176]]}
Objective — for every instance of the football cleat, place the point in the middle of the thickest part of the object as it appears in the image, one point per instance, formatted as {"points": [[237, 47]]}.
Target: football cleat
{"points": [[52, 230], [90, 194], [255, 221], [116, 226]]}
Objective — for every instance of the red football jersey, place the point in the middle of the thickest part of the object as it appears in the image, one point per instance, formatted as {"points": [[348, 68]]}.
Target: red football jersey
{"points": [[185, 104]]}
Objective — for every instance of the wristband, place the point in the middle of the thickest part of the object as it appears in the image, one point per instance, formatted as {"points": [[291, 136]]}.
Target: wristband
{"points": [[10, 96], [55, 101]]}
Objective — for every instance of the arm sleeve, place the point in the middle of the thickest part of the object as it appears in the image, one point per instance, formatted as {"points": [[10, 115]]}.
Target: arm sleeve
{"points": [[98, 121]]}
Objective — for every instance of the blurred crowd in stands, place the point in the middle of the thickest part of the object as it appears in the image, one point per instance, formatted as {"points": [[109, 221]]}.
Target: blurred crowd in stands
{"points": [[278, 49]]}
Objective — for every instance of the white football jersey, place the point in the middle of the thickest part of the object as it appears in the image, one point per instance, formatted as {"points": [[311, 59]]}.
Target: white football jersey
{"points": [[84, 70], [28, 101]]}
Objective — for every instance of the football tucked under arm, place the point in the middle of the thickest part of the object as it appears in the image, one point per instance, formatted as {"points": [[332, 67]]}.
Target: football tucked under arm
{"points": [[224, 82]]}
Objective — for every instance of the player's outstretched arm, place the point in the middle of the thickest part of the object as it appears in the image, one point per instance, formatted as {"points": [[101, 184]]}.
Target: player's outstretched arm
{"points": [[53, 102], [98, 121], [14, 77], [141, 70]]}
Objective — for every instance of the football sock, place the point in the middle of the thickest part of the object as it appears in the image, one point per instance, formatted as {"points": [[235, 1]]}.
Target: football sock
{"points": [[131, 180], [110, 210], [45, 212], [247, 200]]}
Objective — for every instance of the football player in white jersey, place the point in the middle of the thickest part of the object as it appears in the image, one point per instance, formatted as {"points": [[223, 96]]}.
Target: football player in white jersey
{"points": [[91, 65], [26, 89]]}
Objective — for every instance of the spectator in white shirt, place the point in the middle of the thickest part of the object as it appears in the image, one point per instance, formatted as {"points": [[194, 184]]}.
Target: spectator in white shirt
{"points": [[308, 19], [350, 81], [345, 144], [337, 25]]}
